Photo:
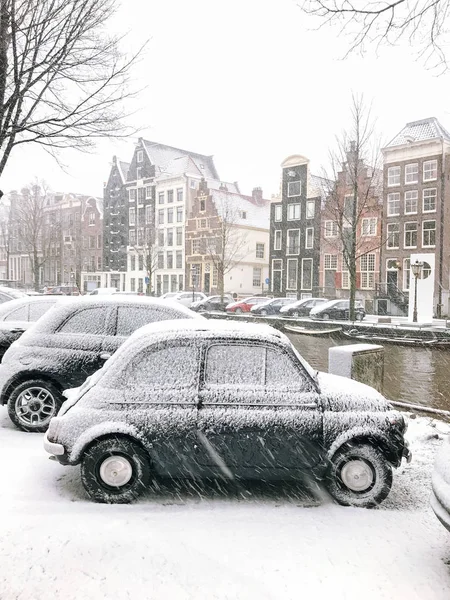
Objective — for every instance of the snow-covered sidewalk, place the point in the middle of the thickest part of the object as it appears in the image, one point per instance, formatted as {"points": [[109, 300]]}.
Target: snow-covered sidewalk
{"points": [[55, 544]]}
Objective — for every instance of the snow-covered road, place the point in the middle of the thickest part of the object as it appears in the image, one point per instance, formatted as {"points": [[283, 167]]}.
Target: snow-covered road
{"points": [[55, 544]]}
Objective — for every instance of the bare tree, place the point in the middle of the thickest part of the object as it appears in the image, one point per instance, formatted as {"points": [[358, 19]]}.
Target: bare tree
{"points": [[226, 247], [423, 23], [63, 79], [149, 254], [355, 195], [28, 218], [5, 233]]}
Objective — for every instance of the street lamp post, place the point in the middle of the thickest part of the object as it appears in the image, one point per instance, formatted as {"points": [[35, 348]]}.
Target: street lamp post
{"points": [[416, 269]]}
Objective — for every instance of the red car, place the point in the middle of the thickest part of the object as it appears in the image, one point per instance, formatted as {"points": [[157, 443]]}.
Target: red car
{"points": [[245, 305]]}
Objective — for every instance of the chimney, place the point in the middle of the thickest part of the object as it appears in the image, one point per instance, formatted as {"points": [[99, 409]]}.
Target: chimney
{"points": [[257, 195]]}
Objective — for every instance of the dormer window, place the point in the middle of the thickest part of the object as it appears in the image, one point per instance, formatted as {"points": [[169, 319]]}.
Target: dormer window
{"points": [[294, 188], [243, 214], [139, 156]]}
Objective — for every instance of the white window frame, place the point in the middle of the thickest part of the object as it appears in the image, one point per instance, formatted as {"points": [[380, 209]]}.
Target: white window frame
{"points": [[288, 286], [429, 210], [132, 194], [309, 238], [411, 198], [367, 271], [433, 169], [411, 177], [255, 277], [288, 253], [330, 262], [277, 239], [410, 231], [369, 226], [394, 176], [390, 202], [278, 215], [292, 210], [406, 279], [132, 217], [310, 209], [428, 230], [389, 238], [345, 279], [140, 156], [331, 229], [305, 260], [259, 249], [292, 184]]}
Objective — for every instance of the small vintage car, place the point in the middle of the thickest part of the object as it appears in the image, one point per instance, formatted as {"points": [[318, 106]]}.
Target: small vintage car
{"points": [[197, 399]]}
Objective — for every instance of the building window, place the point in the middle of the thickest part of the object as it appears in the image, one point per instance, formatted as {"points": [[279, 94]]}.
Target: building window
{"points": [[293, 212], [179, 259], [411, 200], [393, 235], [292, 273], [277, 240], [179, 214], [202, 223], [141, 194], [309, 238], [132, 194], [278, 212], [429, 234], [369, 226], [277, 273], [193, 184], [257, 276], [202, 205], [99, 263], [148, 191], [133, 284], [132, 236], [195, 274], [429, 200], [179, 236], [310, 209], [294, 188], [160, 260], [430, 170], [260, 250], [196, 246], [132, 262], [179, 194], [393, 204], [406, 274], [330, 261], [141, 262], [165, 284], [161, 237], [169, 196], [293, 241], [161, 198], [161, 216], [393, 176], [367, 263], [345, 280], [170, 237], [139, 173], [412, 173], [99, 242], [307, 265], [132, 217], [139, 156], [170, 215], [148, 215], [410, 235], [331, 229], [169, 260], [92, 242], [140, 285]]}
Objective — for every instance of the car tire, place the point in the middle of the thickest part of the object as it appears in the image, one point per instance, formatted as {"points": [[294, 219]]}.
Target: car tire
{"points": [[238, 311], [33, 403], [359, 475], [115, 470], [264, 313]]}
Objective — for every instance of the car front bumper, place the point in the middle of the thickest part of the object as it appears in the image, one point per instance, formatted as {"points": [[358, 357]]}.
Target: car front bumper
{"points": [[53, 448], [440, 511]]}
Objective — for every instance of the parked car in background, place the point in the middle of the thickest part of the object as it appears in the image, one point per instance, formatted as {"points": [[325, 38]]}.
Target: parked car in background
{"points": [[105, 291], [440, 481], [212, 303], [7, 294], [245, 305], [337, 309], [69, 343], [163, 406], [187, 298], [301, 308], [63, 290], [169, 295], [18, 315], [271, 307]]}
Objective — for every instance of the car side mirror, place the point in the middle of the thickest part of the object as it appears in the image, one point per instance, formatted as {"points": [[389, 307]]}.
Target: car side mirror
{"points": [[105, 355]]}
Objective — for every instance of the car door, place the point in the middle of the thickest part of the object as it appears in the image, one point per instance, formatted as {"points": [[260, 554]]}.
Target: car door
{"points": [[305, 308], [160, 393], [258, 411]]}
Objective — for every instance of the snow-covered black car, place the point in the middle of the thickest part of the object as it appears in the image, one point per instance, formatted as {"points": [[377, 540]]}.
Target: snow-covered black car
{"points": [[337, 309], [440, 497], [271, 307], [212, 303], [224, 399], [301, 308], [69, 343]]}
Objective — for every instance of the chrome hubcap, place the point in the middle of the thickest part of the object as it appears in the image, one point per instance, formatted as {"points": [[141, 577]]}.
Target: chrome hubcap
{"points": [[116, 471], [35, 406], [357, 475]]}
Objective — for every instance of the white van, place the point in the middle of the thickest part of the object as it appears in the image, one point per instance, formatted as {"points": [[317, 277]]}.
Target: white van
{"points": [[103, 291]]}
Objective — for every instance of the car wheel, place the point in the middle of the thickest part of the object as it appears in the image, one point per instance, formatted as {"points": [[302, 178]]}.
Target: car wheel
{"points": [[264, 313], [359, 476], [115, 470], [359, 316], [33, 403], [238, 311], [295, 313], [325, 316]]}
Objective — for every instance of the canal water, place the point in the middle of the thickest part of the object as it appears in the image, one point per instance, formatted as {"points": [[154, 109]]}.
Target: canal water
{"points": [[416, 375]]}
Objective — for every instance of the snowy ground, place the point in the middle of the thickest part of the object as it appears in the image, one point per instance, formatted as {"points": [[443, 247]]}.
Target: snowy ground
{"points": [[258, 544]]}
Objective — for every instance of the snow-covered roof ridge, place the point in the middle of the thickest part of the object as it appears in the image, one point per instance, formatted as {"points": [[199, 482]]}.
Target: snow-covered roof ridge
{"points": [[171, 160], [419, 131], [244, 210]]}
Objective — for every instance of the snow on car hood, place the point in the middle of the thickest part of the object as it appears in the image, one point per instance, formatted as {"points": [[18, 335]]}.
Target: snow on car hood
{"points": [[347, 394]]}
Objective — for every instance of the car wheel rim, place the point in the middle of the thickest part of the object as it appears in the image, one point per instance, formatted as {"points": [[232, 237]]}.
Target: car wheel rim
{"points": [[357, 475], [295, 313], [326, 316], [264, 313], [116, 471], [35, 406]]}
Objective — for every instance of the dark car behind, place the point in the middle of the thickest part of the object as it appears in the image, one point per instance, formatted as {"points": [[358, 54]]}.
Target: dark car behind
{"points": [[337, 309], [271, 307], [212, 303], [301, 308]]}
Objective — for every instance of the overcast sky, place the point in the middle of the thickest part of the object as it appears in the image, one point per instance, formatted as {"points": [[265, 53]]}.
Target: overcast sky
{"points": [[250, 82]]}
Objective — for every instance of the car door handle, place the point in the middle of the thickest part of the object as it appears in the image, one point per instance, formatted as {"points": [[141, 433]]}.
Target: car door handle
{"points": [[105, 355]]}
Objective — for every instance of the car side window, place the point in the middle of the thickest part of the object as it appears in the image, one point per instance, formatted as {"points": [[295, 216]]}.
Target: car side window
{"points": [[4, 298], [87, 321], [19, 314], [233, 364], [170, 367], [281, 372], [130, 318], [37, 309]]}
